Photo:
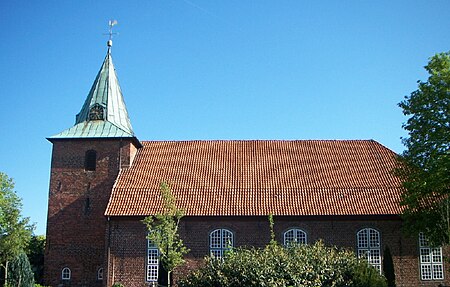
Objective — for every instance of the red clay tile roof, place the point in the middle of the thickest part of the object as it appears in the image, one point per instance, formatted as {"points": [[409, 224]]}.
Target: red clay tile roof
{"points": [[260, 177]]}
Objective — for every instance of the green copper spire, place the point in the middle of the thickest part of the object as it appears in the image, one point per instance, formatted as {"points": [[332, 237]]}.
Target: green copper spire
{"points": [[104, 113]]}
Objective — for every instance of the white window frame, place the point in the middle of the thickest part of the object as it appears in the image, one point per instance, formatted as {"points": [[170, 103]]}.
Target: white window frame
{"points": [[295, 236], [220, 240], [66, 274], [100, 274], [152, 262], [369, 246], [430, 260]]}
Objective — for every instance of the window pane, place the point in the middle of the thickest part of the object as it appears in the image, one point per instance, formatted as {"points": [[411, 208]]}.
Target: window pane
{"points": [[375, 257], [423, 242], [363, 239], [216, 253], [150, 244], [227, 239], [288, 237], [438, 272], [425, 255], [152, 273], [437, 255], [300, 236], [363, 253], [215, 239], [153, 256], [374, 238], [426, 271]]}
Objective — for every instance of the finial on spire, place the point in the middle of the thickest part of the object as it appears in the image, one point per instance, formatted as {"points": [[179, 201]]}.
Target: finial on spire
{"points": [[111, 24]]}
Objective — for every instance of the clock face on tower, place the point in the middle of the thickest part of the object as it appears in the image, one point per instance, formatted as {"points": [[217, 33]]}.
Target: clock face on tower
{"points": [[96, 113]]}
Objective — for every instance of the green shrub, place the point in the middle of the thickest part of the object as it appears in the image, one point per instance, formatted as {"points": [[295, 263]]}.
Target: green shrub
{"points": [[118, 285], [364, 275], [277, 266]]}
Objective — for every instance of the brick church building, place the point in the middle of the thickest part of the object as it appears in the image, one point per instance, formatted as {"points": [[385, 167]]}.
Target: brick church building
{"points": [[104, 181]]}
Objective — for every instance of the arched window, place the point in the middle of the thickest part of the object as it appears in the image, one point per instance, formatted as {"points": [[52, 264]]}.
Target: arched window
{"points": [[369, 246], [100, 274], [220, 240], [90, 161], [152, 262], [294, 236], [65, 273], [431, 265]]}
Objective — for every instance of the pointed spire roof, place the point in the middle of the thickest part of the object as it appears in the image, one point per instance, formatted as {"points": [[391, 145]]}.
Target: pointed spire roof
{"points": [[103, 114]]}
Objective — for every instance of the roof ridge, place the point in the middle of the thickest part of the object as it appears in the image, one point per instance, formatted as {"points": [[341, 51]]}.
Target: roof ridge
{"points": [[265, 140], [262, 189]]}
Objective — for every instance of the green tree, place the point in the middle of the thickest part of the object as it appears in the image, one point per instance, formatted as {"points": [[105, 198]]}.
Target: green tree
{"points": [[35, 252], [21, 274], [163, 232], [15, 231], [425, 164]]}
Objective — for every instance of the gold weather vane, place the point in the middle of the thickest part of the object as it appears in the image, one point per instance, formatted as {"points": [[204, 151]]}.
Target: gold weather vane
{"points": [[111, 24]]}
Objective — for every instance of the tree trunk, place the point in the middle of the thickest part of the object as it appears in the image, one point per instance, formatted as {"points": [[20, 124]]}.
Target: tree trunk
{"points": [[6, 274], [20, 280], [168, 279], [448, 222]]}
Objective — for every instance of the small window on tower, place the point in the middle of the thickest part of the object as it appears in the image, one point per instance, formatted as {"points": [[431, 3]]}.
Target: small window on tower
{"points": [[96, 112], [100, 274], [90, 160], [65, 273]]}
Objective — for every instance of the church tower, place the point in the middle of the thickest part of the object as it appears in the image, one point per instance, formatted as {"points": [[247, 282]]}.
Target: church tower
{"points": [[86, 160]]}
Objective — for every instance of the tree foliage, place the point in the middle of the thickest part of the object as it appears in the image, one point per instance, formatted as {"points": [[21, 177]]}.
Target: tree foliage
{"points": [[163, 232], [21, 274], [15, 230], [276, 266], [35, 252], [426, 160]]}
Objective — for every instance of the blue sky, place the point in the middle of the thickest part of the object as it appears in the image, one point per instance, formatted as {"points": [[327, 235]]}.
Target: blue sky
{"points": [[204, 69]]}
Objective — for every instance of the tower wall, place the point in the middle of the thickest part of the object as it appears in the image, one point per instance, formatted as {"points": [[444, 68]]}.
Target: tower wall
{"points": [[76, 224]]}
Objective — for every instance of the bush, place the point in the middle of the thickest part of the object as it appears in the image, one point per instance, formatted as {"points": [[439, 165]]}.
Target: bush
{"points": [[118, 285], [277, 266]]}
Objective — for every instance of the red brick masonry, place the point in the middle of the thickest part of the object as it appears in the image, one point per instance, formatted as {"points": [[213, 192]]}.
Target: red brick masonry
{"points": [[128, 243]]}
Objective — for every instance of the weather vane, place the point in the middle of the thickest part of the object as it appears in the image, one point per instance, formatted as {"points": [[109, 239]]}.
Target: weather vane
{"points": [[111, 24]]}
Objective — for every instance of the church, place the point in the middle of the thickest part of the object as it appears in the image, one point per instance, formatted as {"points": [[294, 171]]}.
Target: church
{"points": [[104, 181]]}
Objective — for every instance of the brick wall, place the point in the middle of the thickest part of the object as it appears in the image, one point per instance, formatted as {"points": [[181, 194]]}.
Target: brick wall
{"points": [[77, 201], [128, 244]]}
